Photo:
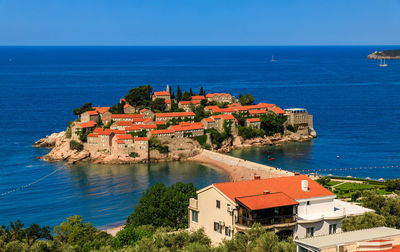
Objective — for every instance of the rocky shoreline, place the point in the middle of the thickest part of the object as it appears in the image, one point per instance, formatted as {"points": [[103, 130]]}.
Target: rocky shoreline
{"points": [[386, 54], [179, 149]]}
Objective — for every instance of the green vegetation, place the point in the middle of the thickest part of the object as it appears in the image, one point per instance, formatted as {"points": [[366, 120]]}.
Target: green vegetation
{"points": [[108, 125], [246, 99], [178, 94], [158, 105], [324, 181], [200, 113], [347, 189], [68, 131], [186, 96], [202, 140], [83, 135], [163, 206], [117, 109], [139, 96], [368, 220], [74, 145], [133, 154], [250, 132], [202, 92], [218, 138], [155, 144], [85, 107], [272, 123], [393, 185], [292, 128], [142, 133]]}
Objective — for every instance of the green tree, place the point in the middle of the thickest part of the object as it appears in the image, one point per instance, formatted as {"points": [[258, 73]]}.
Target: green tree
{"points": [[247, 99], [323, 181], [163, 206], [367, 220], [118, 109], [186, 96], [139, 96], [74, 145], [158, 105], [272, 123], [178, 94], [191, 92], [202, 92], [130, 235], [85, 107]]}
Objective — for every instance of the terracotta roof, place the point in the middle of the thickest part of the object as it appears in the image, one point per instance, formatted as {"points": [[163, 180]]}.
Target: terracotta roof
{"points": [[149, 126], [124, 137], [92, 135], [118, 132], [209, 119], [187, 126], [102, 110], [234, 105], [225, 117], [245, 108], [133, 127], [161, 93], [122, 100], [278, 110], [126, 116], [258, 111], [120, 142], [142, 110], [264, 201], [253, 119], [175, 114], [198, 97], [291, 186], [141, 139], [123, 123], [263, 105], [92, 112], [163, 131], [217, 94], [97, 130], [189, 102], [216, 109], [160, 123], [140, 119], [393, 249], [106, 132], [88, 124], [126, 105]]}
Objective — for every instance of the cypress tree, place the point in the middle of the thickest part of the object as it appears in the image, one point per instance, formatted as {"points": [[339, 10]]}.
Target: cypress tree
{"points": [[178, 94]]}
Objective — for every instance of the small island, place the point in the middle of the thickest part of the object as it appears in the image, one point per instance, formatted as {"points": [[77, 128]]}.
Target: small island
{"points": [[148, 126], [386, 54]]}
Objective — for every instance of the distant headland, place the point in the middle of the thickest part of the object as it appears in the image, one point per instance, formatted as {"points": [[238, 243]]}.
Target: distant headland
{"points": [[386, 54], [164, 125]]}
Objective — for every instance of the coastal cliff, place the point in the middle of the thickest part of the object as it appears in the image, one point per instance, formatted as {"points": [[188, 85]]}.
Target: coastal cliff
{"points": [[179, 148], [386, 54]]}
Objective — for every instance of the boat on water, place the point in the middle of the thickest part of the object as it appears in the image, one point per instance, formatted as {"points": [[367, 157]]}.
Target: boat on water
{"points": [[272, 59], [271, 159], [383, 63]]}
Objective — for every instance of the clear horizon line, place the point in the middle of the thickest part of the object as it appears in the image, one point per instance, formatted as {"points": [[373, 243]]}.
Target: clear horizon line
{"points": [[197, 45]]}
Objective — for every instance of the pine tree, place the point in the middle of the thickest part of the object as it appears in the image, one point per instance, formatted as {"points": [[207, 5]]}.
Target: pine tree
{"points": [[202, 91], [191, 92], [178, 94]]}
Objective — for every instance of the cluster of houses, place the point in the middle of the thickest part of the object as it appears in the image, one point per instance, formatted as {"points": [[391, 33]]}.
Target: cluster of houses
{"points": [[118, 140]]}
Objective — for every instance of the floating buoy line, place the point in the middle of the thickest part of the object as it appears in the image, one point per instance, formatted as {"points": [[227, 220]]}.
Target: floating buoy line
{"points": [[351, 169], [30, 184]]}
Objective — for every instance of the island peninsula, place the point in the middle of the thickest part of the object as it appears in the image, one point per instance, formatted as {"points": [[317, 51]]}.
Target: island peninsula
{"points": [[150, 126]]}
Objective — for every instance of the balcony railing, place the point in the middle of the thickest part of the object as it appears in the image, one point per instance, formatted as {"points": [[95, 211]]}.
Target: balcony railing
{"points": [[278, 219]]}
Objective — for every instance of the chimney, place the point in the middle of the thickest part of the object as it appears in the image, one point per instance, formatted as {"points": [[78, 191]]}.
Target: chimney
{"points": [[266, 192], [304, 185], [257, 177]]}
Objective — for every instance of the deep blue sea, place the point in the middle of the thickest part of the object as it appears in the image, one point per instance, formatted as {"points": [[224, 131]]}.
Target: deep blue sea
{"points": [[355, 103]]}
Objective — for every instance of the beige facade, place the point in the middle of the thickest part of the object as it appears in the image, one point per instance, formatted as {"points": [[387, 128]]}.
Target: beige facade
{"points": [[253, 122], [147, 113], [299, 117], [129, 109], [220, 98]]}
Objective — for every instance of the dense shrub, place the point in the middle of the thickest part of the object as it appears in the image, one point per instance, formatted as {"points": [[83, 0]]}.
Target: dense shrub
{"points": [[250, 132], [202, 140], [393, 184], [272, 123], [292, 128], [133, 154], [74, 145], [85, 107]]}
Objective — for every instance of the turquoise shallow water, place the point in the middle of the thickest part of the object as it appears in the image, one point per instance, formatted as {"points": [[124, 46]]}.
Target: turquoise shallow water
{"points": [[355, 103]]}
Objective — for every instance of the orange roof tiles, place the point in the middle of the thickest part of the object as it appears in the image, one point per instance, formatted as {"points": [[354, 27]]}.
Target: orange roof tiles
{"points": [[106, 132], [149, 126], [209, 119], [175, 114], [253, 119], [143, 110], [393, 249], [123, 123], [245, 108], [167, 101], [113, 116], [291, 186], [163, 131], [88, 124], [124, 137], [120, 141], [141, 139], [189, 102], [102, 110], [278, 110], [264, 201], [161, 93], [198, 97], [225, 117], [258, 111], [97, 130], [122, 100], [92, 112], [92, 135], [118, 132], [160, 123], [133, 127], [187, 126]]}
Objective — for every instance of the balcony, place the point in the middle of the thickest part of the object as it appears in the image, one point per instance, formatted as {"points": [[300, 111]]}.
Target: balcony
{"points": [[275, 221]]}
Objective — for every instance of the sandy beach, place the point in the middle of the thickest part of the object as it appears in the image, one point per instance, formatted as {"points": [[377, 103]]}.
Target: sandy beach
{"points": [[237, 172]]}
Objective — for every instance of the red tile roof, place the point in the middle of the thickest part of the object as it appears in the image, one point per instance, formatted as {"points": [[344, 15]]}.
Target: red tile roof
{"points": [[189, 102], [97, 130], [120, 141], [216, 109], [133, 127], [92, 135], [126, 116], [258, 111], [209, 119], [141, 139], [92, 112], [123, 123], [160, 123], [393, 249], [245, 108], [102, 110], [142, 110], [278, 110], [264, 201], [106, 132], [175, 114], [118, 132], [161, 93], [88, 124], [253, 119], [187, 126], [124, 137], [149, 126], [225, 117], [291, 186], [122, 100], [216, 94], [163, 131], [167, 101], [198, 97]]}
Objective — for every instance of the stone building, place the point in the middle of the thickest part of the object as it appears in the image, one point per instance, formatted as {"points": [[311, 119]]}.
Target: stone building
{"points": [[300, 118], [147, 113], [185, 129], [162, 95], [220, 98], [209, 123], [254, 122], [168, 116], [141, 146], [188, 106], [125, 117], [164, 133]]}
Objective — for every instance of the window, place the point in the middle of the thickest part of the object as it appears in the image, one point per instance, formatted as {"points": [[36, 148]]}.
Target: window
{"points": [[195, 216], [332, 229], [218, 204], [227, 231], [308, 203], [310, 232], [216, 226]]}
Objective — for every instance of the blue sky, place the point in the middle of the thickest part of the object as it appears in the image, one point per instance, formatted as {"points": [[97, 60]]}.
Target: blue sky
{"points": [[201, 22]]}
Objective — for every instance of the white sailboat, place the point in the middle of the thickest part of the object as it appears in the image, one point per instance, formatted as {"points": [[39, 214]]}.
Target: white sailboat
{"points": [[383, 63]]}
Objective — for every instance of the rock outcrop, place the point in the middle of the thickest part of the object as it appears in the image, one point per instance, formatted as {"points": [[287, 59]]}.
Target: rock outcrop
{"points": [[49, 141]]}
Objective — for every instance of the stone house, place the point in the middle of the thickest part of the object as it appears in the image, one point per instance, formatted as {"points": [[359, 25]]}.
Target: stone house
{"points": [[229, 119], [129, 109], [254, 122], [164, 133], [299, 117], [198, 97], [277, 110], [168, 116], [162, 95], [125, 117], [185, 129], [147, 113], [121, 125], [141, 146], [122, 144], [209, 123], [89, 116], [168, 103], [220, 98], [294, 206], [257, 112], [188, 105]]}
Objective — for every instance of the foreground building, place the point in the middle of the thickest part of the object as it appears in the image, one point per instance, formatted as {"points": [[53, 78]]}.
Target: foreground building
{"points": [[373, 239], [294, 206]]}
